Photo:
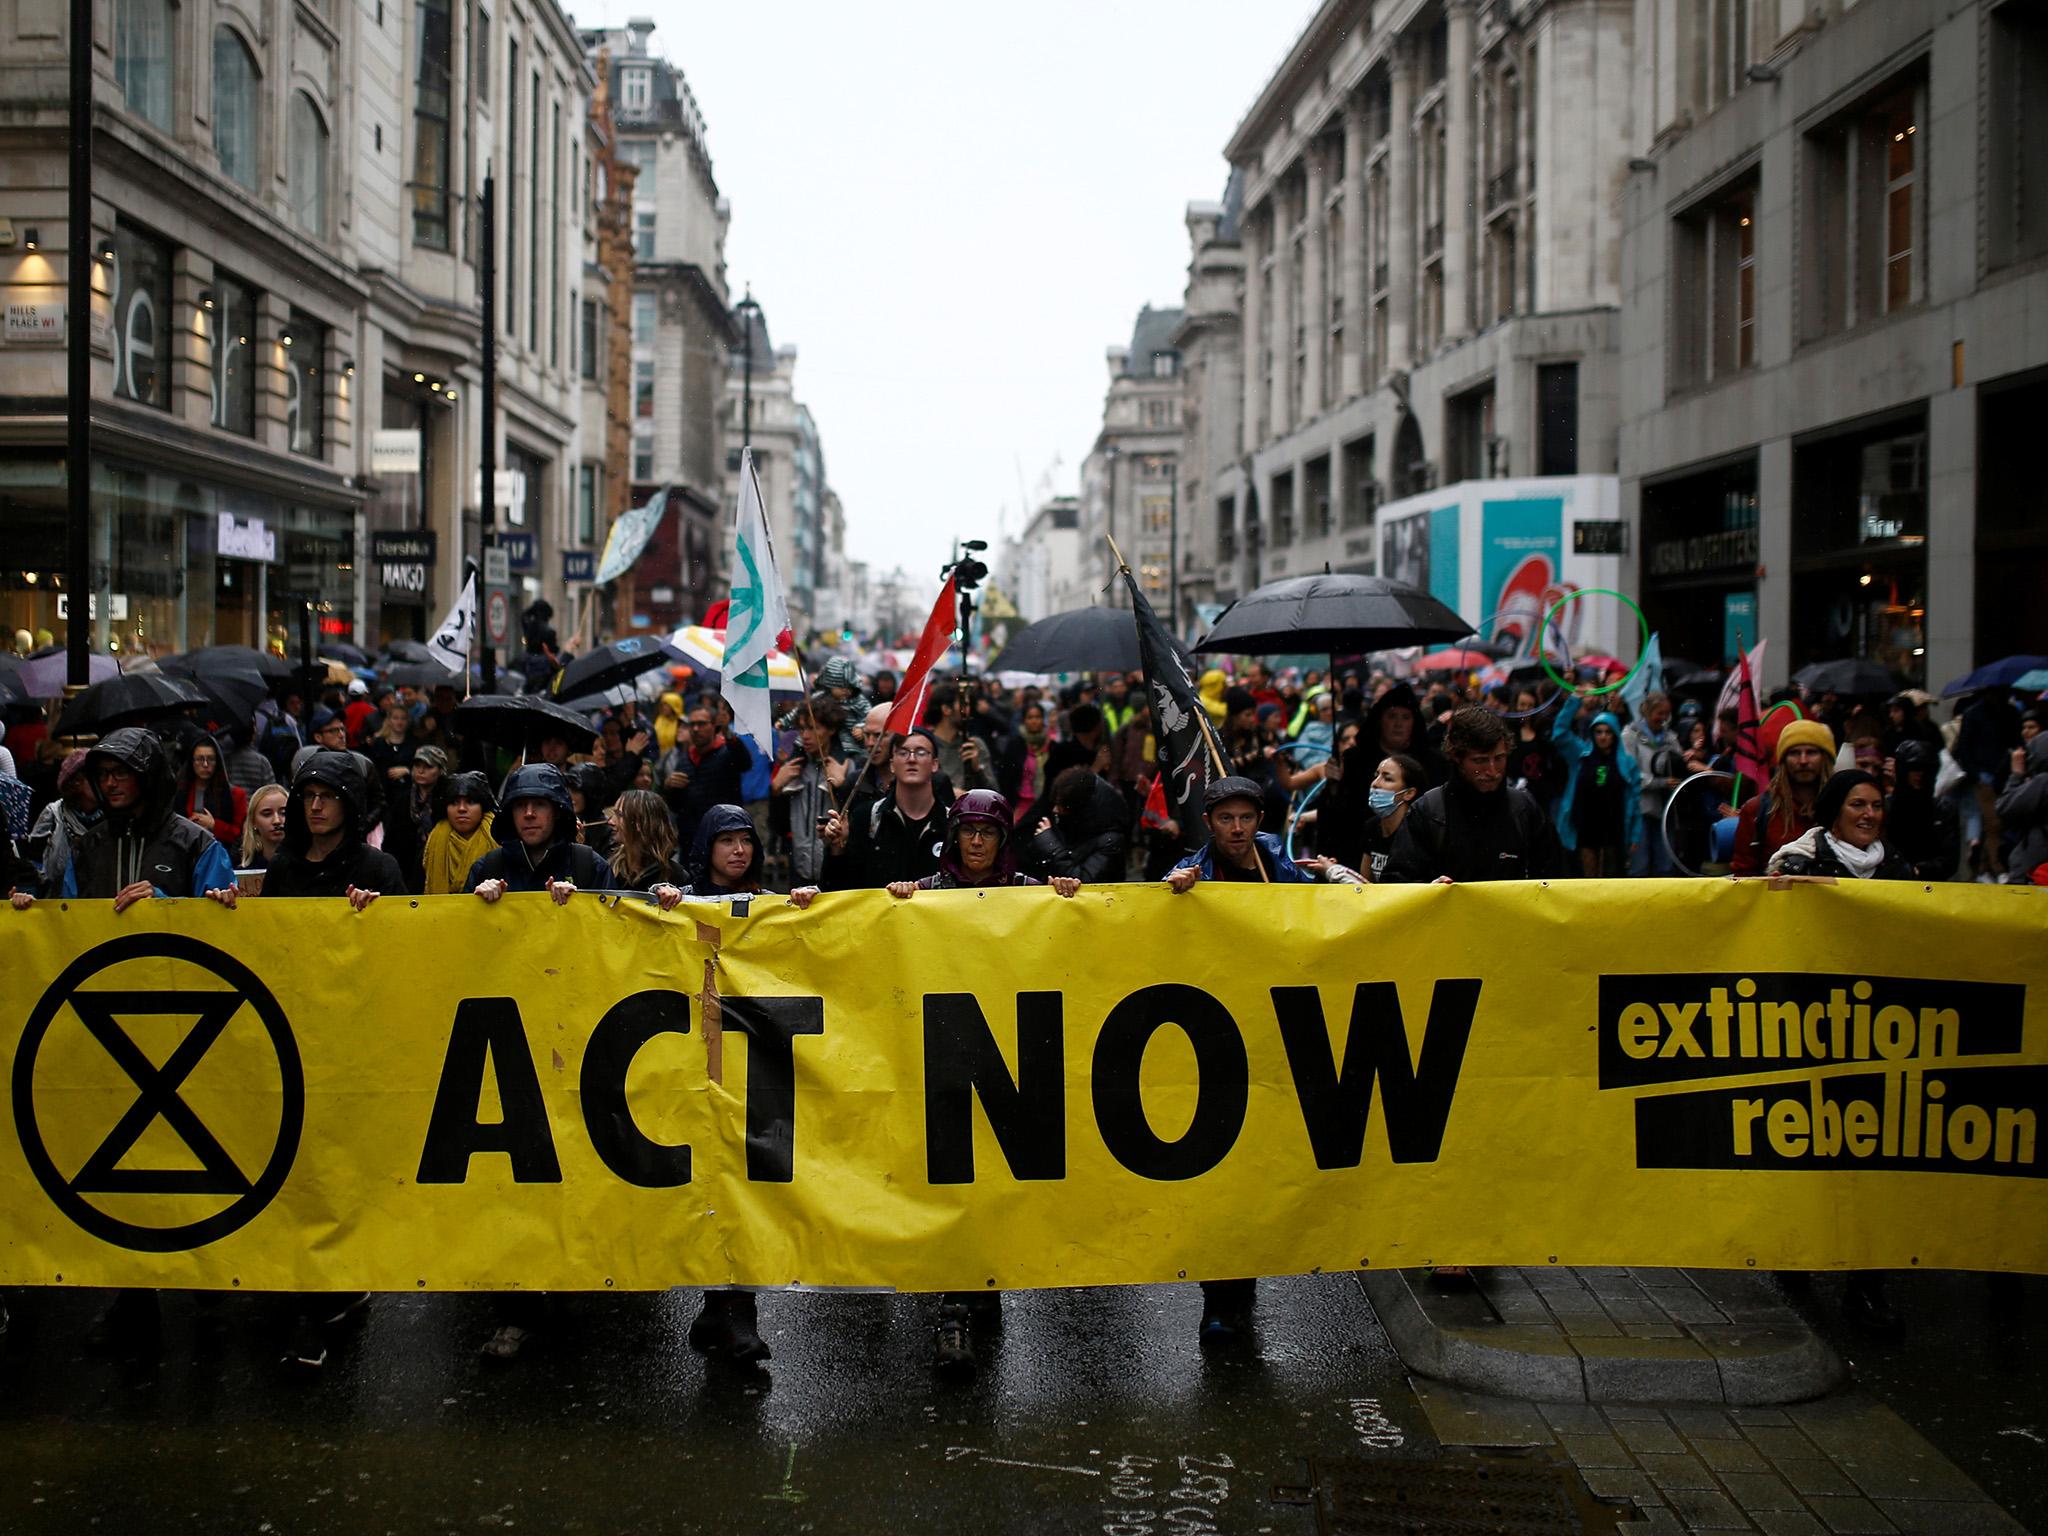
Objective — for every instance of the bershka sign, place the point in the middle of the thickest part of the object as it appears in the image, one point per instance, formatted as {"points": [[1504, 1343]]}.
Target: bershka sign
{"points": [[404, 561], [1129, 1086]]}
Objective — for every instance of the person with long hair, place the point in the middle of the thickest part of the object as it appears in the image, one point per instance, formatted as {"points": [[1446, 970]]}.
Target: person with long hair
{"points": [[643, 842], [463, 835], [205, 796], [1804, 754], [263, 827]]}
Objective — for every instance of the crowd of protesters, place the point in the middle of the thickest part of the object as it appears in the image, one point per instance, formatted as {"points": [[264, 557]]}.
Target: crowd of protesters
{"points": [[1351, 777]]}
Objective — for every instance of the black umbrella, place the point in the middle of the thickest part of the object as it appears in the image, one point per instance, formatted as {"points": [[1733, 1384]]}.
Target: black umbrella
{"points": [[1851, 675], [1333, 614], [233, 678], [17, 705], [605, 667], [134, 698], [407, 650], [1680, 673], [1081, 640], [348, 655], [421, 674], [519, 718]]}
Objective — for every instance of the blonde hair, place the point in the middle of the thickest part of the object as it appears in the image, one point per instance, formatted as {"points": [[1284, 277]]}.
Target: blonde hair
{"points": [[252, 844], [647, 835]]}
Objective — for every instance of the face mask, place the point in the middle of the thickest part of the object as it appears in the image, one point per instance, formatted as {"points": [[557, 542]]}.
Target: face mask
{"points": [[1381, 800]]}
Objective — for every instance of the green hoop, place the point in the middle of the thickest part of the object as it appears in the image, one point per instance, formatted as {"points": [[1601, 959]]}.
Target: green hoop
{"points": [[1642, 643]]}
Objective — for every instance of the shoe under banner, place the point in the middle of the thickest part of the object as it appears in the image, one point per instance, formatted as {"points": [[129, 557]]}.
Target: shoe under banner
{"points": [[1127, 1086]]}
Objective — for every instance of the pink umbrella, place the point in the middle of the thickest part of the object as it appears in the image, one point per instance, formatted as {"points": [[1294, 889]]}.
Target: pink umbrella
{"points": [[1454, 661], [43, 676]]}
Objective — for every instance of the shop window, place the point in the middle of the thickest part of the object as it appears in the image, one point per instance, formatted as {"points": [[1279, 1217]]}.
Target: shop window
{"points": [[1862, 205], [235, 107], [1713, 287], [141, 283], [305, 395], [309, 166], [643, 319], [434, 44], [1557, 419], [2016, 154], [142, 58], [235, 351]]}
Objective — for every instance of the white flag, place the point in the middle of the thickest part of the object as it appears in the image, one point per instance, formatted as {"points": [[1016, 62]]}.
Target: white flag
{"points": [[454, 635], [758, 616]]}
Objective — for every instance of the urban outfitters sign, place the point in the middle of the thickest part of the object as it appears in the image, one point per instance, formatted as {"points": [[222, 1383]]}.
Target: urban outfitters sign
{"points": [[1126, 1086]]}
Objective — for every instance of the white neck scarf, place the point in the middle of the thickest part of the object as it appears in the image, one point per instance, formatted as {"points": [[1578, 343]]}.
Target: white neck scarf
{"points": [[1860, 862]]}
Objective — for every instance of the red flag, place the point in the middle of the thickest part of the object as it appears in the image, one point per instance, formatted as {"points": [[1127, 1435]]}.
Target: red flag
{"points": [[931, 649], [1751, 774], [1156, 814]]}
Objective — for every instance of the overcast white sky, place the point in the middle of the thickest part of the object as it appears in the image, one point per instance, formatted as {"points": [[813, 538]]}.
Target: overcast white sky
{"points": [[952, 209]]}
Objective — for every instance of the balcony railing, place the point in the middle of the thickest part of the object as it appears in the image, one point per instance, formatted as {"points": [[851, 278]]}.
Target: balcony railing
{"points": [[1500, 188], [1433, 240]]}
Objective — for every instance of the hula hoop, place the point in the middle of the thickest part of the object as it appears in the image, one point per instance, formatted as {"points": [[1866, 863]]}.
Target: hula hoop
{"points": [[1664, 821], [1642, 644]]}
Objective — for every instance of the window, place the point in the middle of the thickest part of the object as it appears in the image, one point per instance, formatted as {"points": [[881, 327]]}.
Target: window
{"points": [[308, 166], [636, 89], [305, 391], [1557, 419], [1863, 209], [643, 459], [234, 107], [480, 55], [1713, 287], [2016, 156], [142, 58], [555, 246], [643, 388], [435, 44], [643, 319], [1158, 513], [587, 476], [586, 352], [141, 285], [533, 228], [643, 234], [236, 350]]}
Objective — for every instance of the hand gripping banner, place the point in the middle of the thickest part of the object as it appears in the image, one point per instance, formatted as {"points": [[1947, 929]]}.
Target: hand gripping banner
{"points": [[1008, 1089]]}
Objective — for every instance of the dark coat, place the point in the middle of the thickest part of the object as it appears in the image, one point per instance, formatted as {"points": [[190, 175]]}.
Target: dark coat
{"points": [[884, 846], [353, 862], [717, 821], [715, 780], [1088, 845], [152, 842], [563, 858], [1823, 861], [1454, 830]]}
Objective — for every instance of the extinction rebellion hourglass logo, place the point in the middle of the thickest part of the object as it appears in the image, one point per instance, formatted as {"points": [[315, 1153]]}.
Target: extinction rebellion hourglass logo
{"points": [[1835, 1072], [158, 1093]]}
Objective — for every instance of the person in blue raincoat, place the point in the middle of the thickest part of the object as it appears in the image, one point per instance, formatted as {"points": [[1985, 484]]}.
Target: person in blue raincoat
{"points": [[1596, 814]]}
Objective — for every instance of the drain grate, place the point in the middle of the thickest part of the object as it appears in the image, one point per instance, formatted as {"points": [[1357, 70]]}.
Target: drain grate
{"points": [[1455, 1496]]}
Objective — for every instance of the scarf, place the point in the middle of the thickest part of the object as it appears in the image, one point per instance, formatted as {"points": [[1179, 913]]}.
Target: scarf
{"points": [[1860, 862], [449, 855], [1031, 783]]}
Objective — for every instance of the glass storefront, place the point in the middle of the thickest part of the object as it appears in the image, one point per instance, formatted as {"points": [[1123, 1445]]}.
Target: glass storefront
{"points": [[1859, 547], [177, 562], [1700, 555]]}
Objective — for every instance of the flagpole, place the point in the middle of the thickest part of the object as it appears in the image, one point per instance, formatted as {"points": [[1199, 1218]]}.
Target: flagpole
{"points": [[1202, 721]]}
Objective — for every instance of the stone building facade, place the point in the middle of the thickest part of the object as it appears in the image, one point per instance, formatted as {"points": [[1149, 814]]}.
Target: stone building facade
{"points": [[1423, 211], [286, 326], [1130, 478], [1835, 330]]}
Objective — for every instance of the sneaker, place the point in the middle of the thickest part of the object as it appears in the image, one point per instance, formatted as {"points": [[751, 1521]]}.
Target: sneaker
{"points": [[954, 1356], [725, 1329]]}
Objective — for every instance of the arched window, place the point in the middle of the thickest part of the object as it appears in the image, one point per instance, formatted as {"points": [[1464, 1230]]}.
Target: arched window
{"points": [[309, 166], [142, 57], [234, 107]]}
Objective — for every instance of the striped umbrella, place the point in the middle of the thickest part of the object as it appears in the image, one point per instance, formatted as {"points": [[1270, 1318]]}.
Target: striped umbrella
{"points": [[706, 649]]}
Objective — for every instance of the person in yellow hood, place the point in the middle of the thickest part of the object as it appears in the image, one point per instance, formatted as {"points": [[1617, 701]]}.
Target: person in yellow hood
{"points": [[1213, 684], [668, 721]]}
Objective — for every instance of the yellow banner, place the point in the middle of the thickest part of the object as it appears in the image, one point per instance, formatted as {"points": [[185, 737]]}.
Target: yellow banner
{"points": [[1007, 1089]]}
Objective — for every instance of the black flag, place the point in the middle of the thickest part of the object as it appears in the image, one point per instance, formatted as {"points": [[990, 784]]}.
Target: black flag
{"points": [[1181, 733]]}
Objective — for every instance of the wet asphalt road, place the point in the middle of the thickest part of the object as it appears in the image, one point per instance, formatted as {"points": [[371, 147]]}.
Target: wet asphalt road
{"points": [[1095, 1412]]}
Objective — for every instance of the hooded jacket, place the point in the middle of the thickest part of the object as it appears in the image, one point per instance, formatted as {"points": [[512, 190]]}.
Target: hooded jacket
{"points": [[148, 842], [717, 821], [2023, 808], [353, 862], [1212, 686], [1456, 830], [1088, 845], [1574, 749], [561, 858], [1919, 828]]}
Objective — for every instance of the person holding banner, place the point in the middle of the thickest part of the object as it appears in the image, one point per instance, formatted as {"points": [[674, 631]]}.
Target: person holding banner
{"points": [[326, 818], [1785, 810], [1845, 840], [537, 848], [1475, 825], [901, 834]]}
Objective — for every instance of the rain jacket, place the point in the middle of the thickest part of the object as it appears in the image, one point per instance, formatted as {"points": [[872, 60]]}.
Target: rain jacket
{"points": [[1457, 831], [450, 855], [1089, 845], [1921, 828], [1212, 685], [1283, 869], [563, 858], [1574, 749], [353, 862], [2023, 808], [718, 821], [151, 842]]}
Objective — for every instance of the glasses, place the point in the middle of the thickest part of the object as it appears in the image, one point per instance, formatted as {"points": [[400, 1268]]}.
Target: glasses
{"points": [[315, 796], [914, 754]]}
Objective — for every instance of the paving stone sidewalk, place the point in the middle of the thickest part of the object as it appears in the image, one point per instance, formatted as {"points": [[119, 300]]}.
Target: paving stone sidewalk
{"points": [[1844, 1467], [1606, 1335]]}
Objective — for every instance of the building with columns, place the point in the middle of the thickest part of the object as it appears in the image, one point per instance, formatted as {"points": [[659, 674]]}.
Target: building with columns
{"points": [[1422, 230], [1834, 331], [1130, 478]]}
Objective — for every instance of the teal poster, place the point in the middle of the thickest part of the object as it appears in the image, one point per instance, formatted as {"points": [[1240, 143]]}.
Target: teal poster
{"points": [[1521, 556], [1738, 625], [1443, 556]]}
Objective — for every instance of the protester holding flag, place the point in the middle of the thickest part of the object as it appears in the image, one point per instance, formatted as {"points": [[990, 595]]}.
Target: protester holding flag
{"points": [[902, 833], [1784, 811], [757, 620]]}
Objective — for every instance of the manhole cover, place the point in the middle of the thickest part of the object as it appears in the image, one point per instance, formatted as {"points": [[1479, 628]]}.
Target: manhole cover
{"points": [[1456, 1496]]}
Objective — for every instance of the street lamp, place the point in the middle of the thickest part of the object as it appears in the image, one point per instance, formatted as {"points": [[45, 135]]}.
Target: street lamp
{"points": [[750, 312]]}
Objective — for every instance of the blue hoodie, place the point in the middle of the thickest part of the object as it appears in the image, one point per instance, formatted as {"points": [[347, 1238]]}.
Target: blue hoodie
{"points": [[1575, 749], [1284, 870]]}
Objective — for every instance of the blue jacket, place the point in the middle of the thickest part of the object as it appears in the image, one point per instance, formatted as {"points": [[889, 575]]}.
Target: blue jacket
{"points": [[1284, 870], [1574, 749]]}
